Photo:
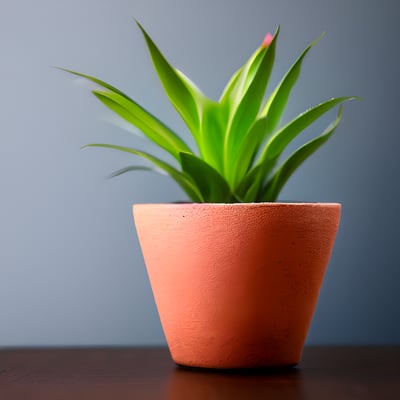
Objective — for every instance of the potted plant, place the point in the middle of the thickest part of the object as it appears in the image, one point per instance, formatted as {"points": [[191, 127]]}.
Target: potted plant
{"points": [[235, 274]]}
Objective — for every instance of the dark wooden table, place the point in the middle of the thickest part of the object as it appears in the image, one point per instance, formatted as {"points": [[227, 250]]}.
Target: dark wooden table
{"points": [[148, 373]]}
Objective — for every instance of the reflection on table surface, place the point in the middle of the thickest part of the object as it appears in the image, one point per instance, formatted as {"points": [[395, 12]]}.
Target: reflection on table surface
{"points": [[196, 384]]}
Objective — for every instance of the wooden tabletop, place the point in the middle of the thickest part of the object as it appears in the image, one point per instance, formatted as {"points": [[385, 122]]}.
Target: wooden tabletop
{"points": [[148, 373]]}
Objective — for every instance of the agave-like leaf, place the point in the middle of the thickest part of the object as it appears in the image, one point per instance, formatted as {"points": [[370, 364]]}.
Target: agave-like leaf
{"points": [[228, 94], [248, 108], [269, 119], [241, 79], [153, 128], [212, 186], [128, 109], [184, 100], [97, 81], [213, 125], [197, 94], [285, 135], [276, 103], [184, 181], [249, 148], [252, 192], [278, 180], [133, 168], [251, 184], [269, 158]]}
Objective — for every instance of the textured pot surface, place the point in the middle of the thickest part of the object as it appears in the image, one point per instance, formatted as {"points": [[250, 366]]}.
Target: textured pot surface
{"points": [[236, 284]]}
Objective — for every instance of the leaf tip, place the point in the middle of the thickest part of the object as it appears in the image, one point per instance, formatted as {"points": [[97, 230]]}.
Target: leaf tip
{"points": [[267, 40], [322, 35], [141, 27], [62, 69]]}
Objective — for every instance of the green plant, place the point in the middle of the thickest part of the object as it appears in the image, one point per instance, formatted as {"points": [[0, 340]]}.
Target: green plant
{"points": [[239, 138]]}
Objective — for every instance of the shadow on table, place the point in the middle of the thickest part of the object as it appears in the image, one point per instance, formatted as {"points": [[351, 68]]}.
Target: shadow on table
{"points": [[201, 384]]}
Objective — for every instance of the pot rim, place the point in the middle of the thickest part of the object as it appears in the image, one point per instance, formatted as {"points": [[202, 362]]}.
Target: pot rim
{"points": [[260, 204]]}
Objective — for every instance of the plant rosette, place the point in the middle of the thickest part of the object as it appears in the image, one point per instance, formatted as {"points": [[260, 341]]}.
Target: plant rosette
{"points": [[235, 275]]}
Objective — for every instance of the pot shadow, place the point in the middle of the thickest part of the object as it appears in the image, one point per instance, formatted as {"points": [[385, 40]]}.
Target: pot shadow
{"points": [[203, 384]]}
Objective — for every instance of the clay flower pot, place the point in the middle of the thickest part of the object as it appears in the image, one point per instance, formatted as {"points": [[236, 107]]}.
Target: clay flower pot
{"points": [[236, 284]]}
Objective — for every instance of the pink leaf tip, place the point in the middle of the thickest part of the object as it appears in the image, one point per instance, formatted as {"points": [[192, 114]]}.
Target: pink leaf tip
{"points": [[267, 40]]}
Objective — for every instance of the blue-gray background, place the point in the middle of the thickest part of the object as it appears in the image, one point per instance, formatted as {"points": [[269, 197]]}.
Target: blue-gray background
{"points": [[71, 271]]}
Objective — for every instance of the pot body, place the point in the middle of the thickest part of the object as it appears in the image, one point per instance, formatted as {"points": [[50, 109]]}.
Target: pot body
{"points": [[236, 284]]}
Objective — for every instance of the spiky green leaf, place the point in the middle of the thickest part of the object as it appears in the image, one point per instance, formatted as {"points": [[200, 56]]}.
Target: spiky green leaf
{"points": [[183, 99], [151, 127], [184, 181], [285, 135], [132, 168], [276, 183], [241, 79], [228, 94], [213, 125], [212, 186], [276, 103], [252, 183], [97, 81], [249, 148], [248, 108]]}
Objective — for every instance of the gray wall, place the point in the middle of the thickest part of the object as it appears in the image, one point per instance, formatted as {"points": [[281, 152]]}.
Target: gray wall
{"points": [[71, 271]]}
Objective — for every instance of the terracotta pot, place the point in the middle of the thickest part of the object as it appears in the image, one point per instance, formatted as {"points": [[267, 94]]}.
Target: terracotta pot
{"points": [[236, 284]]}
